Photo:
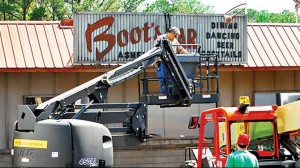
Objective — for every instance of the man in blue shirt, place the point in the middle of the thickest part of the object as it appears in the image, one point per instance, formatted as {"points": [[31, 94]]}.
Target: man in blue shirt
{"points": [[242, 157]]}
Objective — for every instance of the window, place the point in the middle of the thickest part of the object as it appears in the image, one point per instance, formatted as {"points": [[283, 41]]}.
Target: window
{"points": [[264, 98], [261, 134]]}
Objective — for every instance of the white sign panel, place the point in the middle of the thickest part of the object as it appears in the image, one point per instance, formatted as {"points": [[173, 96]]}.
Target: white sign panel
{"points": [[119, 37]]}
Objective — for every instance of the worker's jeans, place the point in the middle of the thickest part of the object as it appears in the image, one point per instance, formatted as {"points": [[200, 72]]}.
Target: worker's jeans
{"points": [[166, 86]]}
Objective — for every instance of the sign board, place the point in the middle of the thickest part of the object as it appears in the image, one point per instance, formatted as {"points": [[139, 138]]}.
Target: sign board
{"points": [[122, 37]]}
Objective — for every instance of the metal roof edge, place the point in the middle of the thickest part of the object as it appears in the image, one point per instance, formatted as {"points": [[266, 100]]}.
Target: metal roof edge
{"points": [[151, 69], [28, 22], [273, 24], [274, 68], [57, 22], [79, 69]]}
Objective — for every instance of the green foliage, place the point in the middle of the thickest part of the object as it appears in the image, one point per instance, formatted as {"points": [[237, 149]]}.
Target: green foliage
{"points": [[131, 5], [178, 6], [15, 9], [87, 5], [5, 9], [58, 9], [38, 13], [108, 5], [266, 17]]}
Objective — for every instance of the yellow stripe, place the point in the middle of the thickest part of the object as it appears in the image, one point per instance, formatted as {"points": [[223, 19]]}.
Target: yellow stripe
{"points": [[28, 143]]}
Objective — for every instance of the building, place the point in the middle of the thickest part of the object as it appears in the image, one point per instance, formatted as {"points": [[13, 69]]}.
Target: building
{"points": [[36, 60]]}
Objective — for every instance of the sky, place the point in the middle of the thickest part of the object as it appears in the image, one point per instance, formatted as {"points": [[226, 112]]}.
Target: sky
{"points": [[277, 6]]}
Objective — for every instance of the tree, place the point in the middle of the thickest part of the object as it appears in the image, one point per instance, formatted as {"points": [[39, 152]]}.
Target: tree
{"points": [[15, 9], [57, 9], [178, 6], [86, 5], [38, 13], [25, 5], [131, 5], [267, 17], [5, 9], [108, 5]]}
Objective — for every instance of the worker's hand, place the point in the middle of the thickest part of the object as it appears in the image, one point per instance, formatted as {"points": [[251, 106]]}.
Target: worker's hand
{"points": [[184, 51], [157, 62]]}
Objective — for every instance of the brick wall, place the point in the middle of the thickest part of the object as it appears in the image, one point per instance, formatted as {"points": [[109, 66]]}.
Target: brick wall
{"points": [[155, 153]]}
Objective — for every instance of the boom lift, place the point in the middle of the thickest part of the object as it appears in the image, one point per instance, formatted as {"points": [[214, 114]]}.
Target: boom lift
{"points": [[44, 137], [270, 128], [204, 86]]}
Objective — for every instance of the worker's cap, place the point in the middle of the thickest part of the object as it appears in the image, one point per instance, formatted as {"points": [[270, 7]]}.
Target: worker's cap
{"points": [[174, 30], [243, 139]]}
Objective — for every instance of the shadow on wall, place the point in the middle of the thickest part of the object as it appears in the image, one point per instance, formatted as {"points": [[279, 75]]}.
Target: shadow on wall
{"points": [[173, 122]]}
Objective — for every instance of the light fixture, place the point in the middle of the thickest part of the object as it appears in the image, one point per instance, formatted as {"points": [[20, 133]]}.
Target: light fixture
{"points": [[228, 18]]}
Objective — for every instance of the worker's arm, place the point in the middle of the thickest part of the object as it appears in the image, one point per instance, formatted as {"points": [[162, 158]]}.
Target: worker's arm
{"points": [[179, 48], [184, 51], [256, 163]]}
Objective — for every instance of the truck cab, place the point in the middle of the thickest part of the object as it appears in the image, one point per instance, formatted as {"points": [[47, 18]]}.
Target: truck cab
{"points": [[270, 142]]}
